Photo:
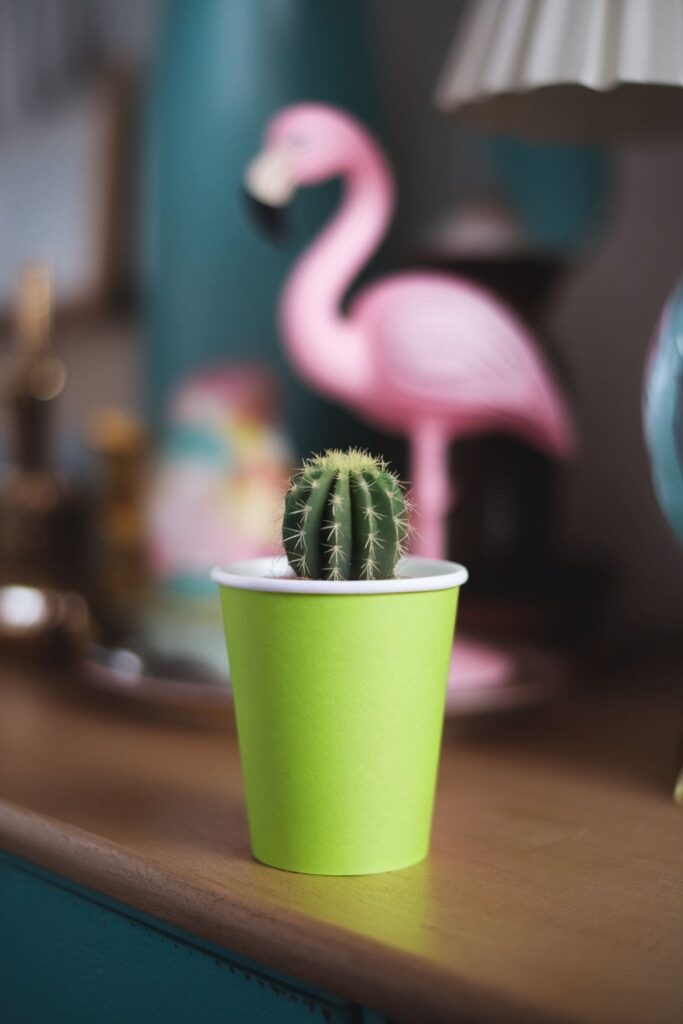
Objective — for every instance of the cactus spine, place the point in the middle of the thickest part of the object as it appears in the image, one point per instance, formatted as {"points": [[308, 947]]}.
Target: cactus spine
{"points": [[346, 518]]}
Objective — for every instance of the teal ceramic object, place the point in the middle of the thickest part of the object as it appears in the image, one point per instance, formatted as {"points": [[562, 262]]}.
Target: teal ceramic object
{"points": [[663, 411], [211, 283], [69, 955]]}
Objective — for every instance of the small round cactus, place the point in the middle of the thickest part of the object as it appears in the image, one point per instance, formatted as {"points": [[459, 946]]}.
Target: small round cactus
{"points": [[346, 518]]}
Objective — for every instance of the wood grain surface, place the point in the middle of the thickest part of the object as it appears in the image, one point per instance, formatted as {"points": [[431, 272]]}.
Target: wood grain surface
{"points": [[554, 891]]}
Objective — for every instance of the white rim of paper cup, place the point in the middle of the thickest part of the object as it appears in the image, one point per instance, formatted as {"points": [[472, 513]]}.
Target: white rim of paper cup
{"points": [[276, 575]]}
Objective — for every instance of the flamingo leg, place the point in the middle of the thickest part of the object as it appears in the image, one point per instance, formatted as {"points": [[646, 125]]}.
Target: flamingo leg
{"points": [[431, 492], [474, 666]]}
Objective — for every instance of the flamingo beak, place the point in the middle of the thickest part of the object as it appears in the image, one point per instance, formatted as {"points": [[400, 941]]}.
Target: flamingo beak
{"points": [[269, 186]]}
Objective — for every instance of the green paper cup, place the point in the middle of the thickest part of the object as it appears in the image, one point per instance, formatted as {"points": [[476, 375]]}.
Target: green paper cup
{"points": [[339, 697]]}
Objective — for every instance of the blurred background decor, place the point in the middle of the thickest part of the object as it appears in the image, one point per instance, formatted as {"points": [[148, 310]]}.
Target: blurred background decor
{"points": [[224, 462], [65, 109], [124, 132], [663, 411], [44, 556], [61, 177], [609, 71], [222, 467]]}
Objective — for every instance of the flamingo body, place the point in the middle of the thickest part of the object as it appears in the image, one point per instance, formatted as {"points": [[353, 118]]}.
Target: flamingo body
{"points": [[443, 349]]}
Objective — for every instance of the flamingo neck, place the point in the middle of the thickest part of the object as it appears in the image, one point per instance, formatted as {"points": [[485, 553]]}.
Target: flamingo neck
{"points": [[325, 346]]}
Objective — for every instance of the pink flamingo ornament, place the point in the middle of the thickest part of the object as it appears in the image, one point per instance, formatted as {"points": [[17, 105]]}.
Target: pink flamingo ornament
{"points": [[424, 354]]}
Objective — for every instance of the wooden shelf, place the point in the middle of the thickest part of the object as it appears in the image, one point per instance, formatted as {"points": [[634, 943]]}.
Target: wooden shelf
{"points": [[554, 891]]}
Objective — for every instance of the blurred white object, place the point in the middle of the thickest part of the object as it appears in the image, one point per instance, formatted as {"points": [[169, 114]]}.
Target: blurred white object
{"points": [[568, 68]]}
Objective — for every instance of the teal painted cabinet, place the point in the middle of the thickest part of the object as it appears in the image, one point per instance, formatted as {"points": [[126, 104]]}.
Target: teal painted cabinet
{"points": [[70, 956]]}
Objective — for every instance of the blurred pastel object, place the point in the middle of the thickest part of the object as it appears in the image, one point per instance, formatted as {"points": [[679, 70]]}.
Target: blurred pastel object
{"points": [[222, 472], [423, 354], [663, 411]]}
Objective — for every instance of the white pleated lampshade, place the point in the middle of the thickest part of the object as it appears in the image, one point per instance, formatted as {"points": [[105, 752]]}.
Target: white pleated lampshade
{"points": [[568, 69]]}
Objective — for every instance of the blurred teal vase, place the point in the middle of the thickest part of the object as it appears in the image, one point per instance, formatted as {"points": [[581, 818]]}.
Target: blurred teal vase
{"points": [[223, 68], [663, 411]]}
